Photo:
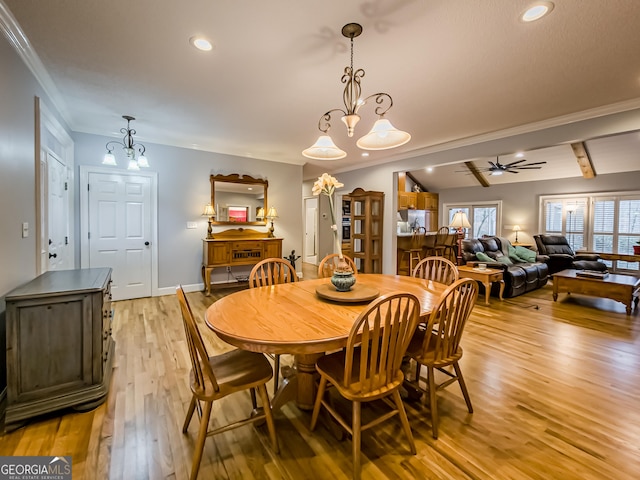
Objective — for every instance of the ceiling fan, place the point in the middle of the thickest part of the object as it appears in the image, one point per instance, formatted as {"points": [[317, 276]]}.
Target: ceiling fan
{"points": [[497, 168]]}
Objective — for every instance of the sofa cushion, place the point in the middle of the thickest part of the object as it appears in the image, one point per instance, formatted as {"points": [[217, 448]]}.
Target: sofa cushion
{"points": [[490, 244]]}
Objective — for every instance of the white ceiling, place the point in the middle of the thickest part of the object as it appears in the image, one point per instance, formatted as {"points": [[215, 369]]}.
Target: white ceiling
{"points": [[455, 70]]}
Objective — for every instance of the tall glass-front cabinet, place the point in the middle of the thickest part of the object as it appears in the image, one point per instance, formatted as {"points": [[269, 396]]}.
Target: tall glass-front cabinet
{"points": [[362, 217]]}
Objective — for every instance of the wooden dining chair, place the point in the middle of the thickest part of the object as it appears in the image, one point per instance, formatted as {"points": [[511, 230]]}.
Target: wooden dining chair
{"points": [[329, 263], [437, 269], [369, 367], [215, 377], [438, 345], [272, 271]]}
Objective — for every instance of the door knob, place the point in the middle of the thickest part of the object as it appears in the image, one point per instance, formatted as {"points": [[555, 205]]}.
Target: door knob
{"points": [[54, 255], [146, 244]]}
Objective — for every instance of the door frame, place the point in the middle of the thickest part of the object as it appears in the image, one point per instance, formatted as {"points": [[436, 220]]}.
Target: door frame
{"points": [[46, 121], [85, 170], [304, 242]]}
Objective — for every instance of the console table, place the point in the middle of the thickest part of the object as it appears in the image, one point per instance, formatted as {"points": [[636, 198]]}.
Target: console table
{"points": [[234, 248], [59, 344]]}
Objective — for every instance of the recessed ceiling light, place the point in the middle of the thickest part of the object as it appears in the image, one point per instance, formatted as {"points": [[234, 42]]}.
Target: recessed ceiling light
{"points": [[519, 155], [429, 169], [536, 11], [201, 43], [365, 154]]}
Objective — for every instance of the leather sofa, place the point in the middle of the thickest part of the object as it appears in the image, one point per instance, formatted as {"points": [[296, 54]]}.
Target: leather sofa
{"points": [[562, 257], [519, 276]]}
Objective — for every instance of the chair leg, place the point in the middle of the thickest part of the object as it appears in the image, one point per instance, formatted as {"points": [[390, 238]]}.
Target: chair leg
{"points": [[187, 419], [276, 372], [463, 386], [356, 428], [254, 401], [418, 374], [432, 401], [316, 407], [266, 406], [405, 421], [202, 436]]}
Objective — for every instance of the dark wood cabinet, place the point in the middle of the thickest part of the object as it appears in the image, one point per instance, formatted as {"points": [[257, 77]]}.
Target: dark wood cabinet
{"points": [[366, 217], [59, 344]]}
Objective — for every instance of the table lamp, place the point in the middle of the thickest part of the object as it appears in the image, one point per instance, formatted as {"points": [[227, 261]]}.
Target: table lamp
{"points": [[516, 228], [271, 214], [460, 222], [209, 212]]}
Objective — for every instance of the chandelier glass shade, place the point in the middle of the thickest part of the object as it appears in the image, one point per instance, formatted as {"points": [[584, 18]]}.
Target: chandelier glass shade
{"points": [[382, 136], [129, 146]]}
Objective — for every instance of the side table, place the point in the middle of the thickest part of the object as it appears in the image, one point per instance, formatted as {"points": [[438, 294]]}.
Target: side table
{"points": [[486, 277]]}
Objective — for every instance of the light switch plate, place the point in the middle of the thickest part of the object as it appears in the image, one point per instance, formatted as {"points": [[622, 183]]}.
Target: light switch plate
{"points": [[25, 229], [191, 225]]}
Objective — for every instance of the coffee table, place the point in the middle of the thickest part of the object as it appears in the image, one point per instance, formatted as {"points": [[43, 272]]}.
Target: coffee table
{"points": [[486, 277], [622, 288]]}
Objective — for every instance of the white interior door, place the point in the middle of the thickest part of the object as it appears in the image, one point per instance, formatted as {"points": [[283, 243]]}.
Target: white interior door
{"points": [[57, 215], [120, 231], [310, 231]]}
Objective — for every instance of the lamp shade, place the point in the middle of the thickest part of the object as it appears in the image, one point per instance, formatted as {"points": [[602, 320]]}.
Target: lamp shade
{"points": [[133, 164], [272, 213], [324, 149], [208, 211], [516, 228], [260, 213], [143, 162], [109, 159], [460, 220], [382, 136]]}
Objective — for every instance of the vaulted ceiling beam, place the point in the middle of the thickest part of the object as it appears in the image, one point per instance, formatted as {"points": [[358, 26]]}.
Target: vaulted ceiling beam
{"points": [[476, 173], [583, 159]]}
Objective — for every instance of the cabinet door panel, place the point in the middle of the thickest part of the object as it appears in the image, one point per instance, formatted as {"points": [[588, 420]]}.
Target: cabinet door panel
{"points": [[54, 344]]}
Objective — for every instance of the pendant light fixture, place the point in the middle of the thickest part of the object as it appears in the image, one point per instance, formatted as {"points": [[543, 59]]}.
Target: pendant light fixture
{"points": [[129, 146], [382, 136]]}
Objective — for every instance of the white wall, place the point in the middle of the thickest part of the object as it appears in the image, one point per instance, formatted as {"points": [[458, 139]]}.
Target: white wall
{"points": [[184, 189]]}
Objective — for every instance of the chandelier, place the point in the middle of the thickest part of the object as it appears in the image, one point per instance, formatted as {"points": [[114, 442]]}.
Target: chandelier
{"points": [[129, 146], [382, 136]]}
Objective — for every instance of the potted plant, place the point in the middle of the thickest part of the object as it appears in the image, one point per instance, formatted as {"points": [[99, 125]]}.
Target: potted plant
{"points": [[636, 248]]}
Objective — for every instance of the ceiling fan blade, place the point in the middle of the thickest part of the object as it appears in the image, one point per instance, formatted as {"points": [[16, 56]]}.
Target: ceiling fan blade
{"points": [[495, 166], [515, 163], [512, 171], [534, 163], [527, 168]]}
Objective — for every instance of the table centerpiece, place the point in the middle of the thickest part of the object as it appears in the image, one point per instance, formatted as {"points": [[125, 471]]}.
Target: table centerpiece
{"points": [[343, 278]]}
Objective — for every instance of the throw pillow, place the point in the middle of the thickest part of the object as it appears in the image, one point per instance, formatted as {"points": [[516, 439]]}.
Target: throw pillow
{"points": [[483, 257], [525, 254], [513, 255]]}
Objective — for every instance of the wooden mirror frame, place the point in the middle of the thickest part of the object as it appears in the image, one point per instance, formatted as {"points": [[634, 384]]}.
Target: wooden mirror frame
{"points": [[242, 179]]}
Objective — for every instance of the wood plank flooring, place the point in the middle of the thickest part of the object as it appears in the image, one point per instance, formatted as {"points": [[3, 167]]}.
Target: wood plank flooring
{"points": [[555, 388]]}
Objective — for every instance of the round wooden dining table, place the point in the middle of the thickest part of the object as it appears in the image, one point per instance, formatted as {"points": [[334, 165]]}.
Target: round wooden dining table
{"points": [[292, 318]]}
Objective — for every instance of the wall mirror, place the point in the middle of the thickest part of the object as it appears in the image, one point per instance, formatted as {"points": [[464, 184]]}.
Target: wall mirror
{"points": [[239, 199]]}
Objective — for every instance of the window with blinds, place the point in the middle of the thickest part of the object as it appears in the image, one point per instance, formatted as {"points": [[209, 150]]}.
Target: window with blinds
{"points": [[484, 217], [606, 223]]}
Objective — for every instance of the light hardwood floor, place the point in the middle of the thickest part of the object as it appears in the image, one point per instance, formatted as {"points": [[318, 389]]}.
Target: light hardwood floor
{"points": [[555, 389]]}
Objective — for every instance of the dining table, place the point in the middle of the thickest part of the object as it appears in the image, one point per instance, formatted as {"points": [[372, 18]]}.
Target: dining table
{"points": [[305, 318]]}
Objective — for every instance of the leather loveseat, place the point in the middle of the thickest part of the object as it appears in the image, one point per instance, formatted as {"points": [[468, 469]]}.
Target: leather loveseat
{"points": [[519, 276], [561, 256]]}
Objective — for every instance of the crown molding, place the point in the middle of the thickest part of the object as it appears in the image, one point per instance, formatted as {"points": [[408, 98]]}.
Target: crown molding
{"points": [[20, 43]]}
